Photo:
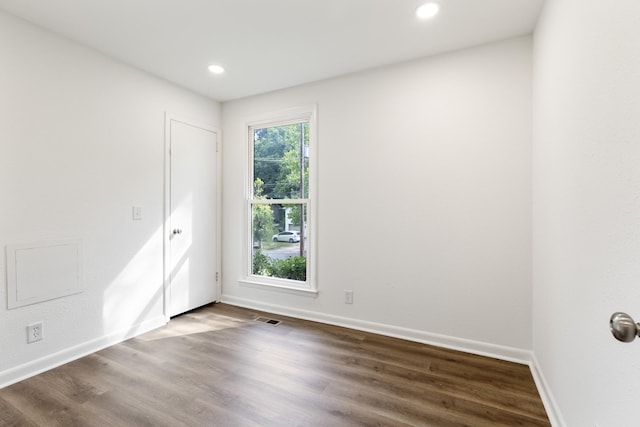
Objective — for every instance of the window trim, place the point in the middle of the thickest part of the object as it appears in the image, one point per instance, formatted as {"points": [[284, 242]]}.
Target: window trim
{"points": [[283, 118]]}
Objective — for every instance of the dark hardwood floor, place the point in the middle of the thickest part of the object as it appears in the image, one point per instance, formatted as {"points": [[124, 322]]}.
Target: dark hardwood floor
{"points": [[217, 366]]}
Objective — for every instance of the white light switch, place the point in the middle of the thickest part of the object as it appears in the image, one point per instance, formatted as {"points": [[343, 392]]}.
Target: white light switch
{"points": [[137, 213]]}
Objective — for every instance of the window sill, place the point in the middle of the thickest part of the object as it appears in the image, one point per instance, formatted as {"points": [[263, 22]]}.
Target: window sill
{"points": [[279, 287]]}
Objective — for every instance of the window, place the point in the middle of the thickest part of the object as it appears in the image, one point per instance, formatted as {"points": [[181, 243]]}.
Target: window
{"points": [[280, 202]]}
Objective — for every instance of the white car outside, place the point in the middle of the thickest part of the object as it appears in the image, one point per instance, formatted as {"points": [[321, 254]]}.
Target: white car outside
{"points": [[287, 236]]}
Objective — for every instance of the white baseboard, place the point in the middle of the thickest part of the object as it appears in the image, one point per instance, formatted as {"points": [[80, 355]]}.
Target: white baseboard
{"points": [[35, 367], [476, 347], [550, 404]]}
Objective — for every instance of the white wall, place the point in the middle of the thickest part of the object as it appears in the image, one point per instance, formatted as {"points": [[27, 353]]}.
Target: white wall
{"points": [[424, 199], [82, 141], [587, 207]]}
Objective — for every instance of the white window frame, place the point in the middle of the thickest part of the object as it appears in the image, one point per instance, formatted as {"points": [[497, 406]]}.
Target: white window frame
{"points": [[282, 118]]}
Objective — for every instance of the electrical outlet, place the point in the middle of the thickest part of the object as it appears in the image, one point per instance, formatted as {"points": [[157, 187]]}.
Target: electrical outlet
{"points": [[348, 297], [34, 332]]}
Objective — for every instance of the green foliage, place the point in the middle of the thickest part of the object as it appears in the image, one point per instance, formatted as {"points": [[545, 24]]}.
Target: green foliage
{"points": [[293, 268], [289, 180], [262, 216], [261, 263], [277, 160]]}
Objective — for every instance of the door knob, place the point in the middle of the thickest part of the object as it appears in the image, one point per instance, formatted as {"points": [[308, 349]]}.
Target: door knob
{"points": [[176, 231], [623, 327]]}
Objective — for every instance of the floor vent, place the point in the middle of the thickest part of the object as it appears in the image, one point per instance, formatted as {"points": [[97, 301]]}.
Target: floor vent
{"points": [[271, 322]]}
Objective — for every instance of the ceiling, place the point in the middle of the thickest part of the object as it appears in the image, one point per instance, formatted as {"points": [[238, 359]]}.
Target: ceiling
{"points": [[266, 45]]}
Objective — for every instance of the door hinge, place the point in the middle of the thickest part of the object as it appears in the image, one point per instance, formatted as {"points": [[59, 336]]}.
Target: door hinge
{"points": [[217, 276]]}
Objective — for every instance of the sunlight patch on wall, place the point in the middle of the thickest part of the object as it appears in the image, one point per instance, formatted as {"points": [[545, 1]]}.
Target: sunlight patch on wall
{"points": [[136, 290]]}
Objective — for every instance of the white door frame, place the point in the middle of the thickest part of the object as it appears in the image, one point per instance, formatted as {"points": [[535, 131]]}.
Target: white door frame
{"points": [[168, 118]]}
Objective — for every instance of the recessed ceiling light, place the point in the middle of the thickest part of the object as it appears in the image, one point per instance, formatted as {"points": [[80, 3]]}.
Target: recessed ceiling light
{"points": [[216, 69], [427, 10]]}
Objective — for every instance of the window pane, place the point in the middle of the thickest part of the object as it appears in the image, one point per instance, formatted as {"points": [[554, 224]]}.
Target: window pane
{"points": [[279, 241], [281, 162]]}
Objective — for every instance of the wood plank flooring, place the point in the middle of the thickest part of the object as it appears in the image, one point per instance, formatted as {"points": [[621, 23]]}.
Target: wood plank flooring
{"points": [[217, 366]]}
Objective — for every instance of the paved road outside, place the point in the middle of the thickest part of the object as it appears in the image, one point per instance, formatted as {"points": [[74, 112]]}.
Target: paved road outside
{"points": [[286, 251]]}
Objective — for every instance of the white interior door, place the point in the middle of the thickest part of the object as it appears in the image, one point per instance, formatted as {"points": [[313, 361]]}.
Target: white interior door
{"points": [[192, 223]]}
